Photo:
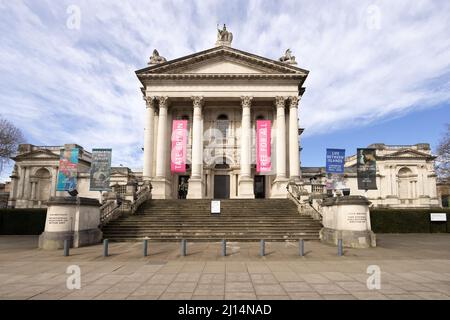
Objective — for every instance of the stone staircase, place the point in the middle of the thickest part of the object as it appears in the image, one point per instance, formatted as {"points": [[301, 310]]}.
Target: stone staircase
{"points": [[240, 220]]}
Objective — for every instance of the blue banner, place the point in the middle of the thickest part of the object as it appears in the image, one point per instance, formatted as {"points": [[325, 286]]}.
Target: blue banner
{"points": [[335, 160]]}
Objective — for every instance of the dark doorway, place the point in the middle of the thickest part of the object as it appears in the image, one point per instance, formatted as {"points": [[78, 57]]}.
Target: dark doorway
{"points": [[260, 187], [183, 186], [221, 187]]}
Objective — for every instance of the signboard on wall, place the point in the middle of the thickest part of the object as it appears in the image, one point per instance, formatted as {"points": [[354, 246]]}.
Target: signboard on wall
{"points": [[179, 146], [335, 160], [263, 151], [68, 165], [100, 174], [366, 169]]}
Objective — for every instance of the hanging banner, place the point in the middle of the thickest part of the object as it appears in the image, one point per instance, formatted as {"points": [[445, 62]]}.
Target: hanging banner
{"points": [[367, 169], [100, 170], [263, 152], [335, 160], [179, 146], [67, 175]]}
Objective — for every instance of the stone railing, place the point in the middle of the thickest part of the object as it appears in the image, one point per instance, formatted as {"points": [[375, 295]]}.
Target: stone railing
{"points": [[304, 201], [109, 211], [142, 195]]}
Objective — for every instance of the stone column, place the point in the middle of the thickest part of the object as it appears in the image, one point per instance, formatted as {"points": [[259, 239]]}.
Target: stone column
{"points": [[161, 186], [195, 189], [148, 138], [294, 157], [279, 184], [33, 190], [54, 182], [246, 189]]}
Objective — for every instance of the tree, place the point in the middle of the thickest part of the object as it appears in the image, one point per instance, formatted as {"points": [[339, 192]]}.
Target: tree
{"points": [[443, 156], [10, 138]]}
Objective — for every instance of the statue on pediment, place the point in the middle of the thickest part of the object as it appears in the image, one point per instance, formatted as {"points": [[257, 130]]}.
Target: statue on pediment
{"points": [[224, 37], [156, 58], [288, 57]]}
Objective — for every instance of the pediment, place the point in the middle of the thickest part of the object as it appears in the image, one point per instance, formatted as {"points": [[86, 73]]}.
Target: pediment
{"points": [[408, 153], [224, 66], [41, 154], [222, 61]]}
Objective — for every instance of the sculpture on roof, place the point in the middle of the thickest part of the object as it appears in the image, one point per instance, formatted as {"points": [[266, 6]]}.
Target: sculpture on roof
{"points": [[224, 37], [288, 57], [156, 58]]}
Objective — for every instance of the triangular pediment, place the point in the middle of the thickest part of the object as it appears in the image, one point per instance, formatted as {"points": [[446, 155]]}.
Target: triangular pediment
{"points": [[41, 154], [407, 153], [222, 60]]}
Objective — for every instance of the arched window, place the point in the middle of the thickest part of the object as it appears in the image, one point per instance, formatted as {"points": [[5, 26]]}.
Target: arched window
{"points": [[43, 184], [260, 117]]}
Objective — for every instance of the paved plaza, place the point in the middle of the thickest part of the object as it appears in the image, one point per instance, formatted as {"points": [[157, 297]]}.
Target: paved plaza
{"points": [[414, 266]]}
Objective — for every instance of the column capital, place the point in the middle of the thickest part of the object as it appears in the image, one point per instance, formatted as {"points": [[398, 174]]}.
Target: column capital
{"points": [[163, 101], [197, 101], [150, 101], [293, 102], [280, 102], [246, 101]]}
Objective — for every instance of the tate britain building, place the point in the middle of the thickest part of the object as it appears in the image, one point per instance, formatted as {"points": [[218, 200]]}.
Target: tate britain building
{"points": [[223, 124]]}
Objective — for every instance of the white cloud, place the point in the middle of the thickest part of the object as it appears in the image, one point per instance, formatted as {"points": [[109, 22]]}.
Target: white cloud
{"points": [[61, 85]]}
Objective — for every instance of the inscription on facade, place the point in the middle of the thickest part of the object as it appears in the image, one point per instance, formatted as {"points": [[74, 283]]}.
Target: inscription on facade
{"points": [[357, 217], [58, 218]]}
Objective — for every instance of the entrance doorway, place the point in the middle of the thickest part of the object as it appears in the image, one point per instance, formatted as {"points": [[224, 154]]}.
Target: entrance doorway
{"points": [[221, 187], [260, 187], [183, 186]]}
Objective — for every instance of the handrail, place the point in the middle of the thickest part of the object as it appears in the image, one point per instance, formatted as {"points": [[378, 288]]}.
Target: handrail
{"points": [[109, 211], [297, 200], [141, 196]]}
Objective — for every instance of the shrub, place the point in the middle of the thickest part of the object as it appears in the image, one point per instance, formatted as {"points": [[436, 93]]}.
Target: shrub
{"points": [[22, 221], [407, 220]]}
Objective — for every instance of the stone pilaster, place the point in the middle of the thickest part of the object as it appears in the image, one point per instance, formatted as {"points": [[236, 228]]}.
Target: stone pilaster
{"points": [[161, 185], [246, 189], [294, 152], [280, 183], [195, 189], [148, 138]]}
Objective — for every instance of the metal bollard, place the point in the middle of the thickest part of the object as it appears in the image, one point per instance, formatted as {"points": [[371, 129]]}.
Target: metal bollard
{"points": [[224, 248], [66, 248], [105, 247], [262, 249], [340, 249], [301, 245], [145, 247], [183, 247]]}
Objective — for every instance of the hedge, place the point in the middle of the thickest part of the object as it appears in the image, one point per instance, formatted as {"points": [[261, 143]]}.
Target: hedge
{"points": [[407, 221], [22, 221]]}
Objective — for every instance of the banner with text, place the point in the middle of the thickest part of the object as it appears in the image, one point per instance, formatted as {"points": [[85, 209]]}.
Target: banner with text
{"points": [[263, 152], [67, 175], [335, 160], [179, 146], [366, 169], [100, 170]]}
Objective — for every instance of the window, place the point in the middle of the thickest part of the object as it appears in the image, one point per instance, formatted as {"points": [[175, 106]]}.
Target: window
{"points": [[223, 125]]}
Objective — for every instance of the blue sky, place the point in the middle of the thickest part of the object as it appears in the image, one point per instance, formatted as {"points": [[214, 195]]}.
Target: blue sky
{"points": [[380, 70]]}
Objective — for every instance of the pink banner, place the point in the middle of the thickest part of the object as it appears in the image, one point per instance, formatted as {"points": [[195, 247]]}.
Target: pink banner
{"points": [[179, 142], [263, 163]]}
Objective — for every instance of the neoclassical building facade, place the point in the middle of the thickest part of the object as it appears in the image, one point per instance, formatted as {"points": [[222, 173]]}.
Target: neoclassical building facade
{"points": [[222, 92]]}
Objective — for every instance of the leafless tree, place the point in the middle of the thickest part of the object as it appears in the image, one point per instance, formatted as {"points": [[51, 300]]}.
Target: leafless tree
{"points": [[10, 138], [443, 156]]}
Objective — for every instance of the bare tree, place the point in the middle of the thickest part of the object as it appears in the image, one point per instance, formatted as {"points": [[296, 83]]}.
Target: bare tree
{"points": [[443, 156], [10, 138]]}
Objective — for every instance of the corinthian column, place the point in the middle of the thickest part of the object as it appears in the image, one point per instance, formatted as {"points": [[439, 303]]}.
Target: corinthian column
{"points": [[280, 183], [294, 158], [148, 138], [161, 186], [195, 188], [246, 189]]}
